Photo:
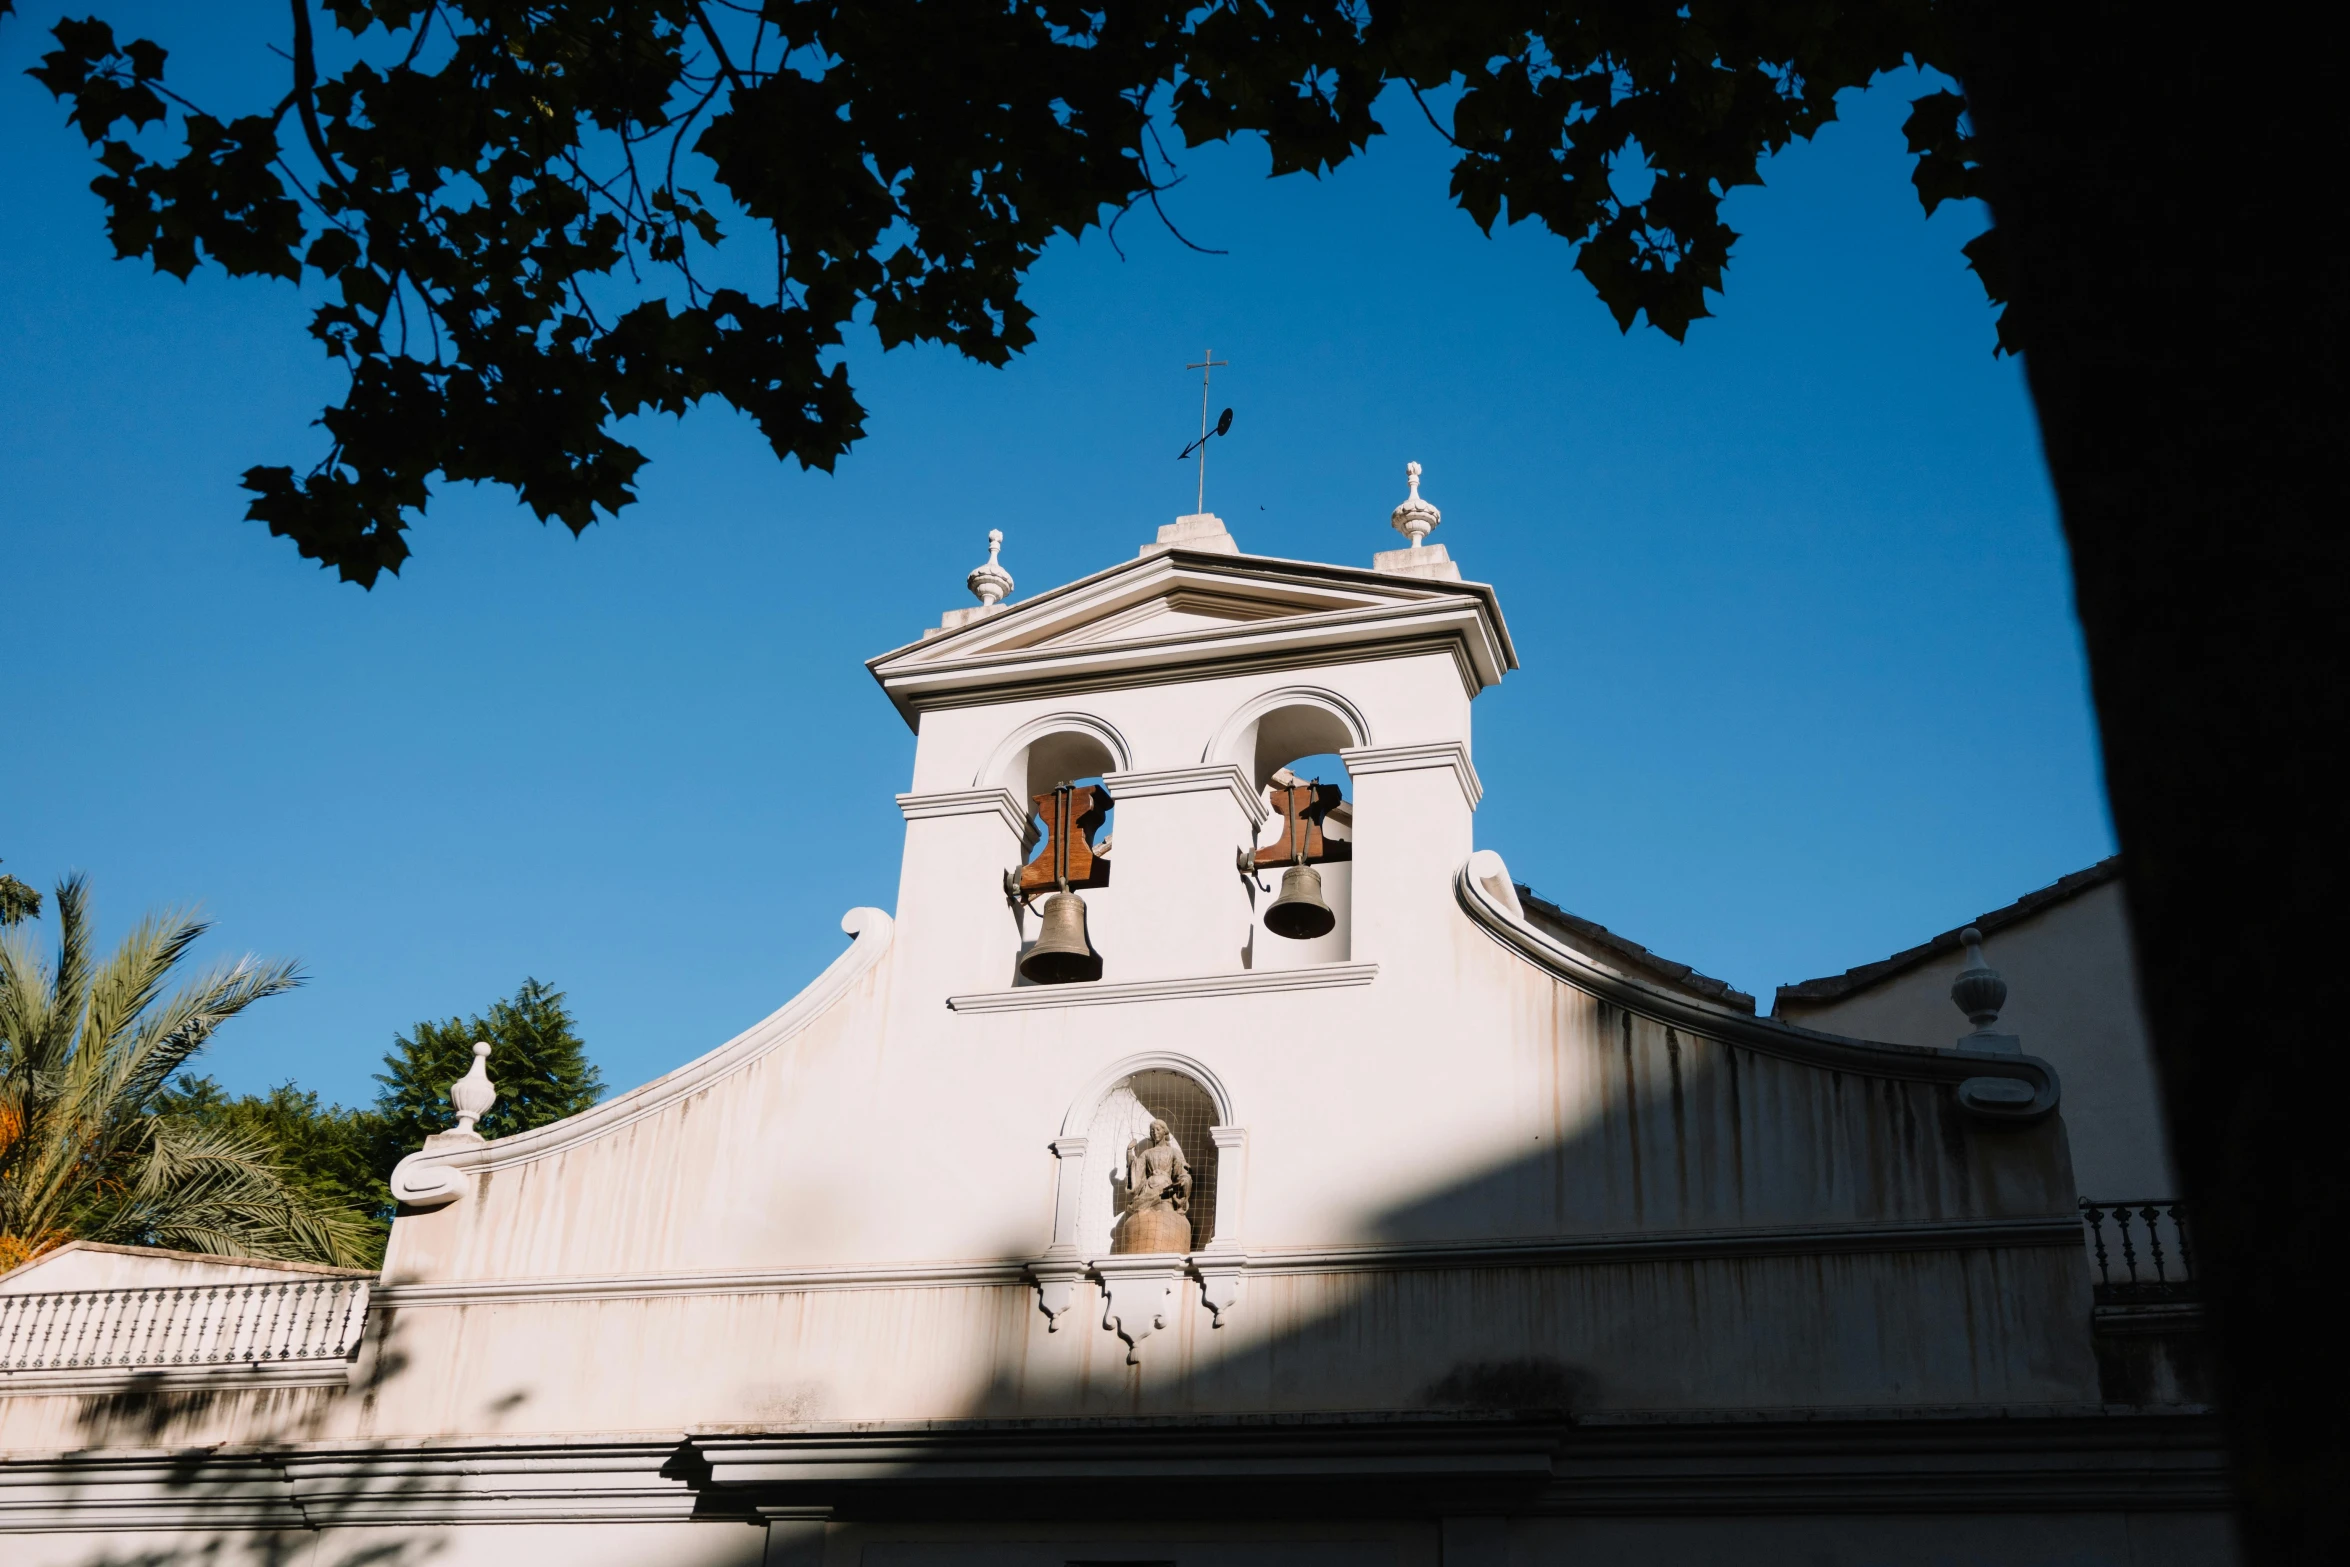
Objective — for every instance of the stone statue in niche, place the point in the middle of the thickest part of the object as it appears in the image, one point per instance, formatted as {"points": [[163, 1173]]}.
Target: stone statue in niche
{"points": [[1158, 1196]]}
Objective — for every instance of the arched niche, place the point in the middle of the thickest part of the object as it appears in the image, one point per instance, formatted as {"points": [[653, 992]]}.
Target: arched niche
{"points": [[1058, 748], [1269, 731], [1115, 1113]]}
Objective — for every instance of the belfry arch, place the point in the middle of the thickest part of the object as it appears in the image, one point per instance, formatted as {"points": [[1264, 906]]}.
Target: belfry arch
{"points": [[1054, 749], [1270, 730]]}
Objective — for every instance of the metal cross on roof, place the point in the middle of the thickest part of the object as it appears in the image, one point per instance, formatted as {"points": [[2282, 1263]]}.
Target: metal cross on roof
{"points": [[1208, 365]]}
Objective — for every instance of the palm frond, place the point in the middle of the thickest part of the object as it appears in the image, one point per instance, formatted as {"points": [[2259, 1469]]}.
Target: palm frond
{"points": [[127, 983], [203, 1189], [24, 999], [69, 982], [161, 1044], [87, 1051]]}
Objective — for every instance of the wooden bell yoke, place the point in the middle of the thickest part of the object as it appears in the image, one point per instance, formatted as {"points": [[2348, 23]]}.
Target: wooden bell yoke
{"points": [[1066, 857], [1302, 807]]}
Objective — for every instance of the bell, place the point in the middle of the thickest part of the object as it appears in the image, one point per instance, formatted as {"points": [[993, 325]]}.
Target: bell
{"points": [[1061, 955], [1300, 913]]}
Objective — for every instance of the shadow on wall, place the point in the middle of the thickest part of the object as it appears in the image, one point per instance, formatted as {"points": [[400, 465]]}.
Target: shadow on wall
{"points": [[293, 1493], [1667, 1192], [1653, 1145]]}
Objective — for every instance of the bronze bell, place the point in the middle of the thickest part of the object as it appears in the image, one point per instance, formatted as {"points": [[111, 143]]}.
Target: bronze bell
{"points": [[1300, 913], [1061, 955]]}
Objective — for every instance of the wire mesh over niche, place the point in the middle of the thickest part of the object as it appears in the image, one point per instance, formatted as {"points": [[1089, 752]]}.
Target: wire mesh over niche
{"points": [[1123, 1119]]}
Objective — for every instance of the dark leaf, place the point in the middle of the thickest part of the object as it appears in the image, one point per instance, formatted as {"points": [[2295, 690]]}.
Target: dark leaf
{"points": [[519, 264]]}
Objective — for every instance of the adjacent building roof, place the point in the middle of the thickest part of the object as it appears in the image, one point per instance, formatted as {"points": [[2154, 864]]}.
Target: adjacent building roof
{"points": [[62, 1259], [1615, 950], [1837, 986]]}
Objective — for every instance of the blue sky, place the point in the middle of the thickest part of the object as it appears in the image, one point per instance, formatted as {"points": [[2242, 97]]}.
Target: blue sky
{"points": [[1802, 682]]}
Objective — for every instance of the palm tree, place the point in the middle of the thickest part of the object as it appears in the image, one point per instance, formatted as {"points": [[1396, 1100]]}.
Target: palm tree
{"points": [[18, 902], [86, 1052]]}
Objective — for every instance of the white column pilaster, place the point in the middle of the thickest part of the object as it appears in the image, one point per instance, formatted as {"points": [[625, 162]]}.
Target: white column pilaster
{"points": [[1181, 907]]}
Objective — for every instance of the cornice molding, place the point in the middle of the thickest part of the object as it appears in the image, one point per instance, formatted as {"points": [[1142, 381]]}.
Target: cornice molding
{"points": [[1973, 1459], [1030, 998], [1204, 779], [2058, 1230], [649, 1286], [1002, 803], [433, 1177], [1061, 684], [175, 1379], [2002, 1089], [591, 1479], [2061, 1231], [976, 664], [1366, 761]]}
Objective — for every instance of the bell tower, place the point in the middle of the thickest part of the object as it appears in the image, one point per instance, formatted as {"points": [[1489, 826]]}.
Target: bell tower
{"points": [[1137, 726]]}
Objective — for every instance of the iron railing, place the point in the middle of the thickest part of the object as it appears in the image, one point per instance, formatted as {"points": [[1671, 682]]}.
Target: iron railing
{"points": [[184, 1325], [2150, 1257]]}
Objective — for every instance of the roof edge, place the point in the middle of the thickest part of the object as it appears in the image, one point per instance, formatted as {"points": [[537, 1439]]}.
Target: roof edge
{"points": [[1541, 912], [166, 1254], [434, 1176], [2012, 1090], [1835, 987]]}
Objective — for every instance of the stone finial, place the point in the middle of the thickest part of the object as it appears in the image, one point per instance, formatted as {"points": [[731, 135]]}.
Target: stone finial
{"points": [[1415, 519], [1980, 993], [990, 583], [474, 1093]]}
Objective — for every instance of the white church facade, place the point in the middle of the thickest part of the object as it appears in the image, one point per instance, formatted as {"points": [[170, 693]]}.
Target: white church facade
{"points": [[1381, 1215]]}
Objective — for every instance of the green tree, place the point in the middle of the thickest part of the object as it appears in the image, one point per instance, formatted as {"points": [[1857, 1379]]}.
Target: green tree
{"points": [[18, 902], [536, 1059], [339, 1160], [503, 203], [88, 1051], [325, 1150]]}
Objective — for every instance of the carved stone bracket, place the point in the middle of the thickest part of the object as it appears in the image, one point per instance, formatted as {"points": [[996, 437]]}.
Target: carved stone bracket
{"points": [[1138, 1296], [1220, 1279], [1057, 1278]]}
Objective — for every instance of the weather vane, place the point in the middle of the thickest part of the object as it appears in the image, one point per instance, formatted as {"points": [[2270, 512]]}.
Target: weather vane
{"points": [[1207, 366]]}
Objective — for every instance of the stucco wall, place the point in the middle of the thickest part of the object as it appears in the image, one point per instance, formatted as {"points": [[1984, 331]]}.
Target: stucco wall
{"points": [[1452, 1186], [2072, 995]]}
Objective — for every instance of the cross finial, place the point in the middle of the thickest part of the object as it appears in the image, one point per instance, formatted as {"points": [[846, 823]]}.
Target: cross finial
{"points": [[1415, 519], [990, 583], [1208, 365]]}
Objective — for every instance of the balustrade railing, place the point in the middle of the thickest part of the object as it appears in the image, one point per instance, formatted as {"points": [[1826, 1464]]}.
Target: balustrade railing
{"points": [[2140, 1249], [186, 1325]]}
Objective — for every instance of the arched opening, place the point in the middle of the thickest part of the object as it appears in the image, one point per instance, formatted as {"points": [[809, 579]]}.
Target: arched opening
{"points": [[1288, 734], [1042, 755], [1120, 1123], [1054, 749], [1280, 726], [1330, 842], [1064, 756]]}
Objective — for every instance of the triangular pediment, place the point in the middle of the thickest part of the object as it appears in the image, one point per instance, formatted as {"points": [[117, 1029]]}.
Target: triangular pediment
{"points": [[1180, 607], [1174, 593], [1178, 610]]}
